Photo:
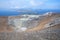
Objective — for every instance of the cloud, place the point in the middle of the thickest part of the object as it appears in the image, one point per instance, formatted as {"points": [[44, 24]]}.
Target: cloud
{"points": [[51, 6], [15, 7], [16, 4], [19, 4], [34, 3]]}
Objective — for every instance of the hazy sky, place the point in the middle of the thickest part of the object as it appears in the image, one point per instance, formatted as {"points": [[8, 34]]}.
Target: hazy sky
{"points": [[38, 4]]}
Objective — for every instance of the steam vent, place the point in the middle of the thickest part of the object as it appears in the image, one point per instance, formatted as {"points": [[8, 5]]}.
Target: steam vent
{"points": [[30, 27]]}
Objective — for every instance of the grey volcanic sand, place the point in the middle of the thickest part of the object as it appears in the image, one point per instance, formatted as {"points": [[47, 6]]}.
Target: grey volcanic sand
{"points": [[46, 34]]}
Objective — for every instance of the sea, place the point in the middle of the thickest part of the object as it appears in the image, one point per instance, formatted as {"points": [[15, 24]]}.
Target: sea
{"points": [[32, 12]]}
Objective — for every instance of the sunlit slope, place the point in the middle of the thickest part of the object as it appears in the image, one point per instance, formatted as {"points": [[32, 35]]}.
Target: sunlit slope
{"points": [[4, 24], [46, 20]]}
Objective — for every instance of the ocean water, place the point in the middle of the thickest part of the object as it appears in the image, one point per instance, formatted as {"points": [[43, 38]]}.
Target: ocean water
{"points": [[35, 12], [8, 13]]}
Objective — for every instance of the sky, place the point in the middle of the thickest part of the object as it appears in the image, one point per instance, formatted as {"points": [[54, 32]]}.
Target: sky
{"points": [[35, 4]]}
